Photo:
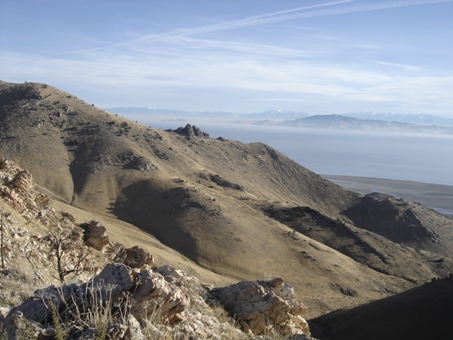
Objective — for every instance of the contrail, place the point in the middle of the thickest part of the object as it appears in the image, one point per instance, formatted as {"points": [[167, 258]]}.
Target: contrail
{"points": [[325, 9]]}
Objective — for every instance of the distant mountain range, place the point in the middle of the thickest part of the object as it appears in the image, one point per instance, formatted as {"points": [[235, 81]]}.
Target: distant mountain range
{"points": [[351, 123], [419, 119], [277, 117], [274, 115]]}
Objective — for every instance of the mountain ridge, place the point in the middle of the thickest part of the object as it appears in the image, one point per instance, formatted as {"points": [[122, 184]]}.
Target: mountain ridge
{"points": [[207, 200]]}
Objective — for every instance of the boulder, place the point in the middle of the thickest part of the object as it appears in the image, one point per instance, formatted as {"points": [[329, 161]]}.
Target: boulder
{"points": [[137, 257], [154, 295], [95, 235], [264, 307]]}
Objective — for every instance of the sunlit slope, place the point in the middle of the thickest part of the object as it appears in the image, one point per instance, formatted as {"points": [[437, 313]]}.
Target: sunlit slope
{"points": [[209, 199]]}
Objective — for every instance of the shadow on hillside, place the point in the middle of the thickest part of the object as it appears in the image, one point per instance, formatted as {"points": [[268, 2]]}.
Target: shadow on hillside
{"points": [[423, 312], [157, 212], [389, 218]]}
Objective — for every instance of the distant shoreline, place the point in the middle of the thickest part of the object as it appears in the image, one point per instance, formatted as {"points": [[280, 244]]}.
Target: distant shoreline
{"points": [[435, 196]]}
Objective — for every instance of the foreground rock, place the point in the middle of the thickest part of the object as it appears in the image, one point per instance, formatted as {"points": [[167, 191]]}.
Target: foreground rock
{"points": [[128, 304], [150, 292], [264, 307]]}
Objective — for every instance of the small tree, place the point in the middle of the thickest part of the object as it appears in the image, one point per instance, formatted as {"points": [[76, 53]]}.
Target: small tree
{"points": [[66, 248]]}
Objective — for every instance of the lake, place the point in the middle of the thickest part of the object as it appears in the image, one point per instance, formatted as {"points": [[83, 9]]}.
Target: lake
{"points": [[400, 156]]}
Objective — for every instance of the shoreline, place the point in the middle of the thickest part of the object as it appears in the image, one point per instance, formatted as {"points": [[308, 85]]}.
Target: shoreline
{"points": [[434, 196]]}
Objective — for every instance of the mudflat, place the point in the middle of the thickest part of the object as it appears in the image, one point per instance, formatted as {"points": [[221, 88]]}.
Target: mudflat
{"points": [[435, 196]]}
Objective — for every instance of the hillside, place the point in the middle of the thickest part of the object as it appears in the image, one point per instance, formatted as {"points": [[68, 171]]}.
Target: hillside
{"points": [[420, 313], [65, 280], [220, 209]]}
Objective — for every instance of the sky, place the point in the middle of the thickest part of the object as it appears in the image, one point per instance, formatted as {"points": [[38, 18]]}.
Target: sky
{"points": [[318, 57]]}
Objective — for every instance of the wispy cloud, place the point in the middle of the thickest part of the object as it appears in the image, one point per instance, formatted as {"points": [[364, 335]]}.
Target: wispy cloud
{"points": [[324, 9], [313, 66], [329, 81], [402, 66]]}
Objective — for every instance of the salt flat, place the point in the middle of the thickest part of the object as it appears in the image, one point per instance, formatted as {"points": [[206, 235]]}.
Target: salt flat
{"points": [[435, 196]]}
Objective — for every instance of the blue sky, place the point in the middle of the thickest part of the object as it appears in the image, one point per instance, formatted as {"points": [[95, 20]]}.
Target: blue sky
{"points": [[320, 57]]}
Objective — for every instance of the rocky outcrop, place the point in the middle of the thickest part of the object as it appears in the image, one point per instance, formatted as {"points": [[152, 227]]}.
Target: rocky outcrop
{"points": [[132, 161], [149, 291], [191, 131], [224, 183], [18, 189], [264, 307], [95, 235], [157, 304], [137, 257]]}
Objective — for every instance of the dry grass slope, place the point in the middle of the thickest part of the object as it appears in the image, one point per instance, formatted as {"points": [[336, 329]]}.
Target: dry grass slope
{"points": [[220, 209]]}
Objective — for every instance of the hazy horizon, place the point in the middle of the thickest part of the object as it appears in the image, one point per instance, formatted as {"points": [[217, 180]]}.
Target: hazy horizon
{"points": [[314, 56]]}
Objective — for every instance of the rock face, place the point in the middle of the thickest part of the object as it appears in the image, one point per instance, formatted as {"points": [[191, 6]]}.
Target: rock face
{"points": [[264, 307], [18, 188]]}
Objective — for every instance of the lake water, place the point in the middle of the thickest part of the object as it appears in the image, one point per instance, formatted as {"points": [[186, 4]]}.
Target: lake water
{"points": [[401, 156]]}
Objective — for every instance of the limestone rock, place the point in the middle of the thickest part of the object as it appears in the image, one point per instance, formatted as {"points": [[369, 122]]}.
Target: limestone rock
{"points": [[263, 307], [19, 190], [150, 293], [115, 252], [95, 235], [168, 270], [3, 312], [154, 293], [137, 257], [68, 216], [134, 257], [23, 181]]}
